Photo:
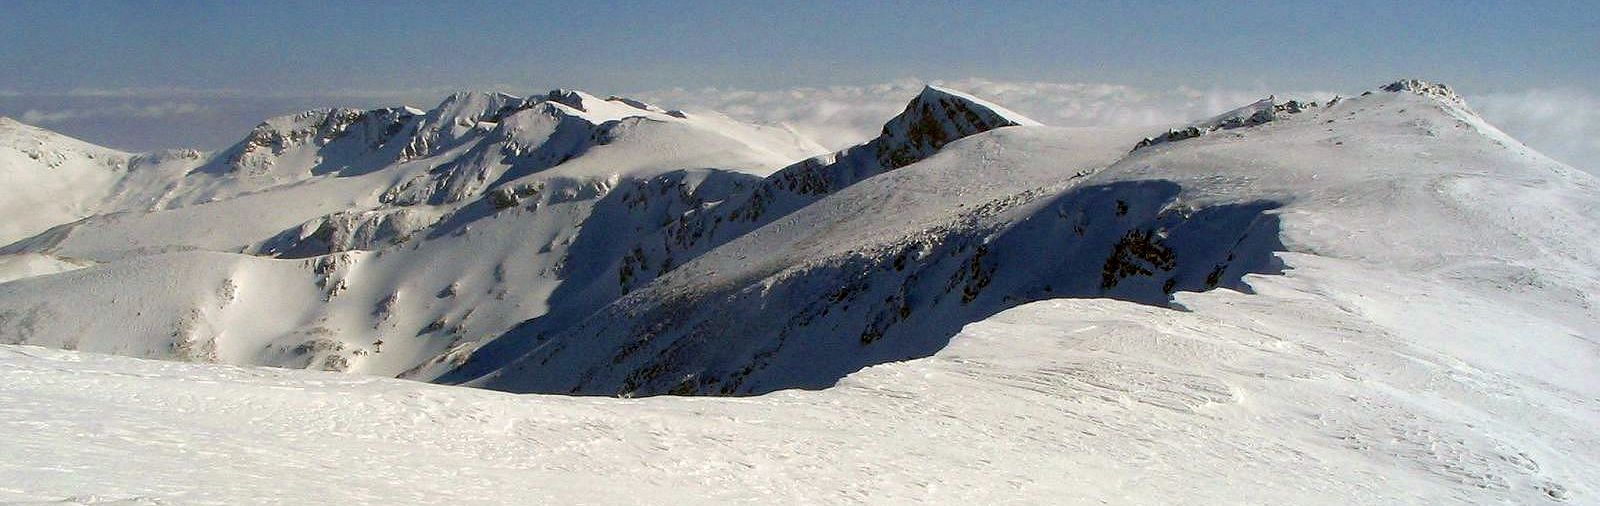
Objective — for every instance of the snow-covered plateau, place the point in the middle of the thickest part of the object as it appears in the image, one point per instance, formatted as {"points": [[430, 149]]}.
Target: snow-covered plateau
{"points": [[1380, 299]]}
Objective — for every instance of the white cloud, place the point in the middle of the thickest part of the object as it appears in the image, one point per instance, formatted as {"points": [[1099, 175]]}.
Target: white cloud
{"points": [[1564, 124], [425, 94], [158, 110], [152, 92]]}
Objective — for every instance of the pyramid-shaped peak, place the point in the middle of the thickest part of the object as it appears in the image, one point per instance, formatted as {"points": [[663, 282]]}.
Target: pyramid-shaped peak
{"points": [[954, 99], [939, 116]]}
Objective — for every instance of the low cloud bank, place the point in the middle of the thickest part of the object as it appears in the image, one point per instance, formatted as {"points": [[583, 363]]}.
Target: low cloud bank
{"points": [[1564, 124], [156, 110]]}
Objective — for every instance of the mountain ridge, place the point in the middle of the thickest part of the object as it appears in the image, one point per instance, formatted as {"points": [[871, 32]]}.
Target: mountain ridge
{"points": [[586, 181]]}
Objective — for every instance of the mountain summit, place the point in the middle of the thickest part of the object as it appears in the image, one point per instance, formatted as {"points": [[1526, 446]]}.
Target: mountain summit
{"points": [[936, 117]]}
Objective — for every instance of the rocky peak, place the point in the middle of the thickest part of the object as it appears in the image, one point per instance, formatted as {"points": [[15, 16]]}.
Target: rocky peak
{"points": [[1437, 91], [570, 98], [317, 127], [1424, 88], [938, 116]]}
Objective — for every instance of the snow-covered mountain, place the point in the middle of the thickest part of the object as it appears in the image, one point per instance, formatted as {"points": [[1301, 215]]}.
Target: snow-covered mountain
{"points": [[889, 268], [418, 236], [1377, 299]]}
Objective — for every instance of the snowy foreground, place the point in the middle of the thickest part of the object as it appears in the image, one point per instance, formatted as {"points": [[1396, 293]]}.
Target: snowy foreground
{"points": [[1303, 393]]}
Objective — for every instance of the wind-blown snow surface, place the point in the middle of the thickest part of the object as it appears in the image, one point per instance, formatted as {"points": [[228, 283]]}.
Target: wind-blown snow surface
{"points": [[1378, 300]]}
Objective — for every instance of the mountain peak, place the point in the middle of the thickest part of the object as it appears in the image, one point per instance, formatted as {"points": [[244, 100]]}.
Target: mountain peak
{"points": [[1424, 88], [1438, 91], [934, 93], [938, 116]]}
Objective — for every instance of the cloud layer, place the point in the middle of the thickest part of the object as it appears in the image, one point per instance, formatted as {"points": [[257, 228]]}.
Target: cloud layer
{"points": [[1562, 124], [147, 111], [843, 115]]}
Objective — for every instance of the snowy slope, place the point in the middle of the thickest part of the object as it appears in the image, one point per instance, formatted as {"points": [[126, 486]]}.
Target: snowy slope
{"points": [[48, 179], [1288, 395]]}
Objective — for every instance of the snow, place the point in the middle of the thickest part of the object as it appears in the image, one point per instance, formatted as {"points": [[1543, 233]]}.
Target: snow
{"points": [[1378, 300], [28, 265], [47, 178]]}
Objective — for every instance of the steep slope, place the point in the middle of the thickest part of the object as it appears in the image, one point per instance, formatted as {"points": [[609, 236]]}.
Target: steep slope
{"points": [[890, 268]]}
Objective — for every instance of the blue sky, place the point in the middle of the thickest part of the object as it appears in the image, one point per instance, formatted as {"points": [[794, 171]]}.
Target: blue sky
{"points": [[320, 46], [219, 67]]}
